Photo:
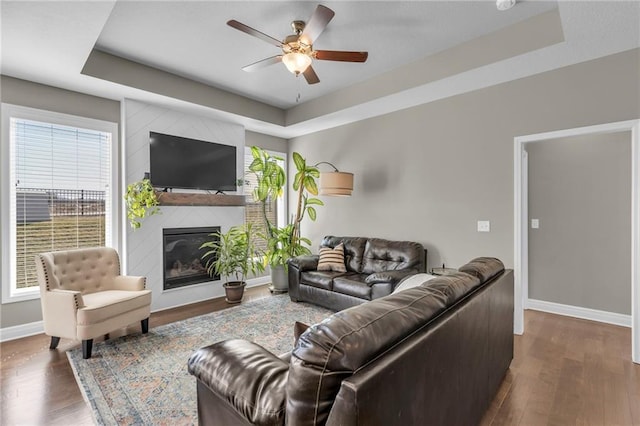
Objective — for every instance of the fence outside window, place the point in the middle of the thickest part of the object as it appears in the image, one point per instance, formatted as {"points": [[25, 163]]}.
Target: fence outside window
{"points": [[55, 219]]}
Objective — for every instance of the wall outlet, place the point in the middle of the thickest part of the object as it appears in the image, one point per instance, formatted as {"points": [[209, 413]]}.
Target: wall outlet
{"points": [[535, 223], [484, 226]]}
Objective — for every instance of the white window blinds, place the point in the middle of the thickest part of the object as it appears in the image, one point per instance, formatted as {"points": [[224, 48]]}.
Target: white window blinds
{"points": [[59, 191]]}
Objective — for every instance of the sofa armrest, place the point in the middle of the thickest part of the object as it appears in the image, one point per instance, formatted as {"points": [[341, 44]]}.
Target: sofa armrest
{"points": [[484, 268], [129, 283], [305, 263], [297, 265], [66, 299], [392, 277], [250, 378], [59, 311]]}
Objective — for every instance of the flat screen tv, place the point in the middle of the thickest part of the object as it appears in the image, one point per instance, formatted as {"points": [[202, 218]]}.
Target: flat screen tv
{"points": [[178, 162]]}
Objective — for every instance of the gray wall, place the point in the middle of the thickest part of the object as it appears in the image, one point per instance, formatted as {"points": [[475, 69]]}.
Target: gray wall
{"points": [[123, 71], [430, 172], [580, 190], [34, 95], [267, 142], [25, 93]]}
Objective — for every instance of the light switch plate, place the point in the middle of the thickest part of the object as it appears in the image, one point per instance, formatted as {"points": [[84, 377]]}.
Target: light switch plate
{"points": [[535, 223], [484, 226]]}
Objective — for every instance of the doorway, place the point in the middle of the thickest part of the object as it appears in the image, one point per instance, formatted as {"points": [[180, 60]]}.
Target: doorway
{"points": [[521, 255]]}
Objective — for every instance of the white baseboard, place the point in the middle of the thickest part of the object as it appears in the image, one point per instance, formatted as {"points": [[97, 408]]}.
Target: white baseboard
{"points": [[578, 312], [32, 328], [22, 330], [254, 282]]}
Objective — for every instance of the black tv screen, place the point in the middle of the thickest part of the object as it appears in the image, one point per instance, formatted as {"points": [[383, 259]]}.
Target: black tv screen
{"points": [[178, 162]]}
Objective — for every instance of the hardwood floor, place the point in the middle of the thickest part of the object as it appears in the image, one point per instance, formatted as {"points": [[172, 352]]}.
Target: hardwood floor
{"points": [[568, 371], [565, 372]]}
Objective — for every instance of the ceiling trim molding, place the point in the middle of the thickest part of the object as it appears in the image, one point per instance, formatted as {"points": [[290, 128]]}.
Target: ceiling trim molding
{"points": [[115, 69], [532, 34]]}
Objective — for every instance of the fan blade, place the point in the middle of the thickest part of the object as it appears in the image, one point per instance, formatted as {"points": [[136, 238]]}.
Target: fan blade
{"points": [[316, 25], [262, 63], [310, 75], [253, 32], [340, 55]]}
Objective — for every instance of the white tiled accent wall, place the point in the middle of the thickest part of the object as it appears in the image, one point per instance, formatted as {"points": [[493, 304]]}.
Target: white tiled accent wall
{"points": [[143, 247]]}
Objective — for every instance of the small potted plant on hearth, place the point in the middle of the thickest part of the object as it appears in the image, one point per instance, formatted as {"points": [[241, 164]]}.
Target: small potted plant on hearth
{"points": [[233, 255]]}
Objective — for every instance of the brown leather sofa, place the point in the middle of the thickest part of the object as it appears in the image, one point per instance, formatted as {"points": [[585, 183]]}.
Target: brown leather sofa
{"points": [[434, 354], [374, 268]]}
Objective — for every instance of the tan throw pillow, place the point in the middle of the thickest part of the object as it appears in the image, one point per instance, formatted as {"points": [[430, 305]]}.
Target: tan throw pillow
{"points": [[332, 259]]}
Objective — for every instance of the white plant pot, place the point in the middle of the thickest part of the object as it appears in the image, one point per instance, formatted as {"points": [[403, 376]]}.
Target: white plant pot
{"points": [[279, 279]]}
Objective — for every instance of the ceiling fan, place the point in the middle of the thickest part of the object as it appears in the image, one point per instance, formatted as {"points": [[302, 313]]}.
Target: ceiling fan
{"points": [[297, 49]]}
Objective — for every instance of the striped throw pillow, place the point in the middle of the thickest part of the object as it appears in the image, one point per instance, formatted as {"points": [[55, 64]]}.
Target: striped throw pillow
{"points": [[332, 259]]}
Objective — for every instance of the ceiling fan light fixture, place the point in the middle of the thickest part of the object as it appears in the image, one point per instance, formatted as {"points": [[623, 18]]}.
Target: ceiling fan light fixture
{"points": [[505, 4], [296, 62]]}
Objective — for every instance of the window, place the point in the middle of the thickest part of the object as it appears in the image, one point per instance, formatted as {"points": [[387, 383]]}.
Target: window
{"points": [[276, 211], [59, 187]]}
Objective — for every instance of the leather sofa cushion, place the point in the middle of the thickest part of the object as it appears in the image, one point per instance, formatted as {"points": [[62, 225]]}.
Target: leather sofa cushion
{"points": [[484, 268], [318, 363], [353, 250], [383, 255], [101, 306], [454, 286], [298, 329], [319, 279], [353, 285], [245, 375]]}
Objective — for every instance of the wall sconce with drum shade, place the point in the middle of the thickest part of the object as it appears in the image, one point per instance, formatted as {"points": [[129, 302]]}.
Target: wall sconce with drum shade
{"points": [[335, 183]]}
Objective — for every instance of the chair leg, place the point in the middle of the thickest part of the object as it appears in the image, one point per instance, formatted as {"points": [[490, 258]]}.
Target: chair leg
{"points": [[145, 325], [54, 342], [87, 345]]}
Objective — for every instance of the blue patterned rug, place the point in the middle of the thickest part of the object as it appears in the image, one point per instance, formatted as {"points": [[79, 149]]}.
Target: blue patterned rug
{"points": [[143, 379]]}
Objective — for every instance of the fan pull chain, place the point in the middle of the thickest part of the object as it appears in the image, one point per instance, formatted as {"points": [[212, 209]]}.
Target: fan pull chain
{"points": [[299, 95]]}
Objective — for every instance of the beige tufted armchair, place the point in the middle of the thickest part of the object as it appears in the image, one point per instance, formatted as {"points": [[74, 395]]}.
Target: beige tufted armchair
{"points": [[83, 295]]}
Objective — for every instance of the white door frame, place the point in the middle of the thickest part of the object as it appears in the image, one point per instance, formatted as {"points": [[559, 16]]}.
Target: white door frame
{"points": [[521, 252]]}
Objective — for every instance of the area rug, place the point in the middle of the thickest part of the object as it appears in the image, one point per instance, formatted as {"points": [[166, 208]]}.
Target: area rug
{"points": [[142, 379]]}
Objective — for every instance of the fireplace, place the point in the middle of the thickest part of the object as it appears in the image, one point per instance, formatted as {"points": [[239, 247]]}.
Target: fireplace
{"points": [[183, 263]]}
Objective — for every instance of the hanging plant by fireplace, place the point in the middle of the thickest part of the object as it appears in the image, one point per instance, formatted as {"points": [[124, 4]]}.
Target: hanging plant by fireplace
{"points": [[141, 201]]}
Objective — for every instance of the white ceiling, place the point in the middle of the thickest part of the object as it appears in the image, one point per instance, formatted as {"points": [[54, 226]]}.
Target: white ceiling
{"points": [[192, 39], [49, 42]]}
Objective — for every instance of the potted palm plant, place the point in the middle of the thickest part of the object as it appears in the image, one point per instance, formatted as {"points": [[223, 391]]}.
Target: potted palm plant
{"points": [[233, 255], [280, 247], [283, 242]]}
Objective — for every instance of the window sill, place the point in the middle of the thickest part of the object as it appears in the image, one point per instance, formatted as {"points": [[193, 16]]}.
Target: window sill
{"points": [[21, 296]]}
